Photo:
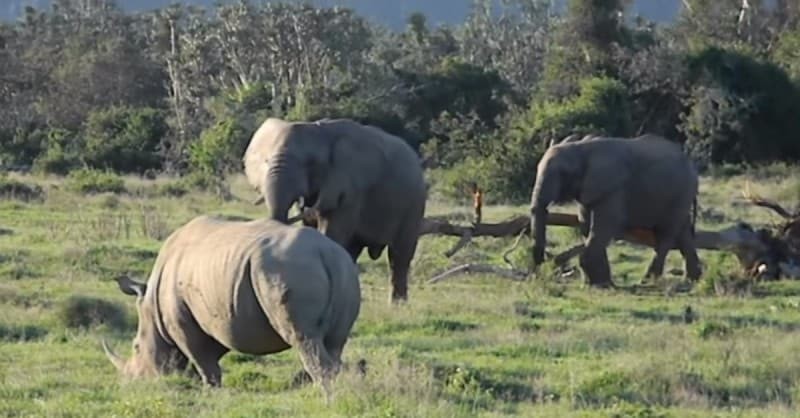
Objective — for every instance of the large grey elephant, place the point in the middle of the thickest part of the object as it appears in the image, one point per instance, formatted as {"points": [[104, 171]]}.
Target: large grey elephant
{"points": [[257, 287], [366, 185], [645, 182]]}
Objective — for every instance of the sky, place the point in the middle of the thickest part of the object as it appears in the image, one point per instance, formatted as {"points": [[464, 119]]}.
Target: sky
{"points": [[391, 13]]}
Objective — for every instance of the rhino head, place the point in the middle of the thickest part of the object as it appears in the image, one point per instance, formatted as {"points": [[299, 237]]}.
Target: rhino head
{"points": [[152, 354]]}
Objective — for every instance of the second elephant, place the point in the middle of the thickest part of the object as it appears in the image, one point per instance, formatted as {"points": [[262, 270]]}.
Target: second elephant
{"points": [[619, 183], [366, 185]]}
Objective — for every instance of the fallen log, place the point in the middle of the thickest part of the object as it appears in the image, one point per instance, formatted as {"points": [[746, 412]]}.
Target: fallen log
{"points": [[751, 247], [754, 249]]}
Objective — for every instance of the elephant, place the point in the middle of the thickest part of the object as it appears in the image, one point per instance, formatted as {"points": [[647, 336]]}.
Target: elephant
{"points": [[257, 287], [645, 182], [366, 186]]}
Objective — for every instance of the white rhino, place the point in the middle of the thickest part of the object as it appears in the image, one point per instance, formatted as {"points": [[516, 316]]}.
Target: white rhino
{"points": [[257, 287]]}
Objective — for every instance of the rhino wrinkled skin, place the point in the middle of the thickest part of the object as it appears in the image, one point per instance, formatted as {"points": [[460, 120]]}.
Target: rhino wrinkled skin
{"points": [[256, 287]]}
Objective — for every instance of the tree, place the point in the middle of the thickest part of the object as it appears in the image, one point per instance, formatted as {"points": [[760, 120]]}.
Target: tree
{"points": [[583, 45]]}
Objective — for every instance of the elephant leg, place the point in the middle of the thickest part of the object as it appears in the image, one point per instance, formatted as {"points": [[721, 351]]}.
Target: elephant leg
{"points": [[667, 238], [584, 217], [656, 267], [691, 262], [401, 251], [606, 222]]}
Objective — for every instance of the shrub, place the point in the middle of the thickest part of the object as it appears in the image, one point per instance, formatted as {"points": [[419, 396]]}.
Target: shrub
{"points": [[602, 107], [15, 189], [89, 181], [173, 188], [606, 389], [87, 312], [21, 146], [741, 109], [18, 333], [708, 329], [61, 153], [124, 139], [237, 114], [220, 147], [787, 53]]}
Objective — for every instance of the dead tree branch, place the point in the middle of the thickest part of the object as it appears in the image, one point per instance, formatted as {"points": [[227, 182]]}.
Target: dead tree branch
{"points": [[470, 268], [751, 247], [757, 250], [765, 203]]}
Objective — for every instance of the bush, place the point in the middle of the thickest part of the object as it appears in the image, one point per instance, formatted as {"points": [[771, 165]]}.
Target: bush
{"points": [[86, 312], [21, 146], [220, 147], [741, 109], [173, 189], [61, 153], [602, 107], [15, 189], [90, 181], [787, 53], [124, 139]]}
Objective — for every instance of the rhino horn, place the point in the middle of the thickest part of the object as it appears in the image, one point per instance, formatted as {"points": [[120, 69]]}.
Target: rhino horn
{"points": [[115, 359]]}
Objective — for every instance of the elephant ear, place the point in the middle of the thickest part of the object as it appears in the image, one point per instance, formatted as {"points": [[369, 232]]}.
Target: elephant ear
{"points": [[605, 173], [131, 287], [357, 159]]}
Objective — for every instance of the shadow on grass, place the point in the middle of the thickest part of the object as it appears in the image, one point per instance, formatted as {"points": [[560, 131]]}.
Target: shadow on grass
{"points": [[735, 321], [21, 333]]}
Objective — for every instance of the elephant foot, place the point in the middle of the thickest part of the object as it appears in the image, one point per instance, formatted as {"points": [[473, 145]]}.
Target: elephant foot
{"points": [[693, 273], [602, 284], [398, 299]]}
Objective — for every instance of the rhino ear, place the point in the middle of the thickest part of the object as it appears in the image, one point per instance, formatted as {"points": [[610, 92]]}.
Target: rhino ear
{"points": [[130, 287]]}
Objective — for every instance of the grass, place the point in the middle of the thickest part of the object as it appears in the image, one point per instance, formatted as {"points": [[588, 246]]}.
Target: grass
{"points": [[476, 346]]}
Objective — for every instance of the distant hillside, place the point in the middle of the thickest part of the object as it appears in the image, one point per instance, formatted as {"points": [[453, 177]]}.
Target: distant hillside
{"points": [[392, 13]]}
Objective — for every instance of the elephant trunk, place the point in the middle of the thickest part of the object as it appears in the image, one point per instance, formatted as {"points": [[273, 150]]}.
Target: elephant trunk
{"points": [[285, 184], [539, 228], [543, 194]]}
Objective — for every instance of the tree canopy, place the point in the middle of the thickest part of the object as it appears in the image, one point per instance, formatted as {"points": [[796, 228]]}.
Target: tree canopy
{"points": [[182, 88]]}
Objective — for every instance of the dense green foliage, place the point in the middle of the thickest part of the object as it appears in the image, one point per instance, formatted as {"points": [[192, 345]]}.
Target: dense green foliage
{"points": [[181, 89]]}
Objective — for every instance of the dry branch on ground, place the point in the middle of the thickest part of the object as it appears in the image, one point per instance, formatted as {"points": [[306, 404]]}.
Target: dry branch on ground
{"points": [[759, 251], [755, 249]]}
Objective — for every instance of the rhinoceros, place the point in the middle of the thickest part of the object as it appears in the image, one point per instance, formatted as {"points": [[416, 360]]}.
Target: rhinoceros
{"points": [[256, 287]]}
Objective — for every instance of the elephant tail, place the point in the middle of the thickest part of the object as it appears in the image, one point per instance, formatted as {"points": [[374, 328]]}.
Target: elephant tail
{"points": [[694, 215]]}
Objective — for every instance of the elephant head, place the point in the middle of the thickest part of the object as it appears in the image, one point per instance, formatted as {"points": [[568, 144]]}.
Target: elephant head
{"points": [[152, 354], [324, 164], [582, 171]]}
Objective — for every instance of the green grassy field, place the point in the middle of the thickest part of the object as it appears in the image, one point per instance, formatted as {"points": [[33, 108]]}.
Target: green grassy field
{"points": [[468, 346]]}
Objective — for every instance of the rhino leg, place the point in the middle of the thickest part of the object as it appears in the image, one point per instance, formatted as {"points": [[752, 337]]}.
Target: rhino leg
{"points": [[202, 351], [321, 365]]}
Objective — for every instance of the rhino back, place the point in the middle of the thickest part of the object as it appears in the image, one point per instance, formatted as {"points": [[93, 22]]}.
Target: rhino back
{"points": [[210, 271]]}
